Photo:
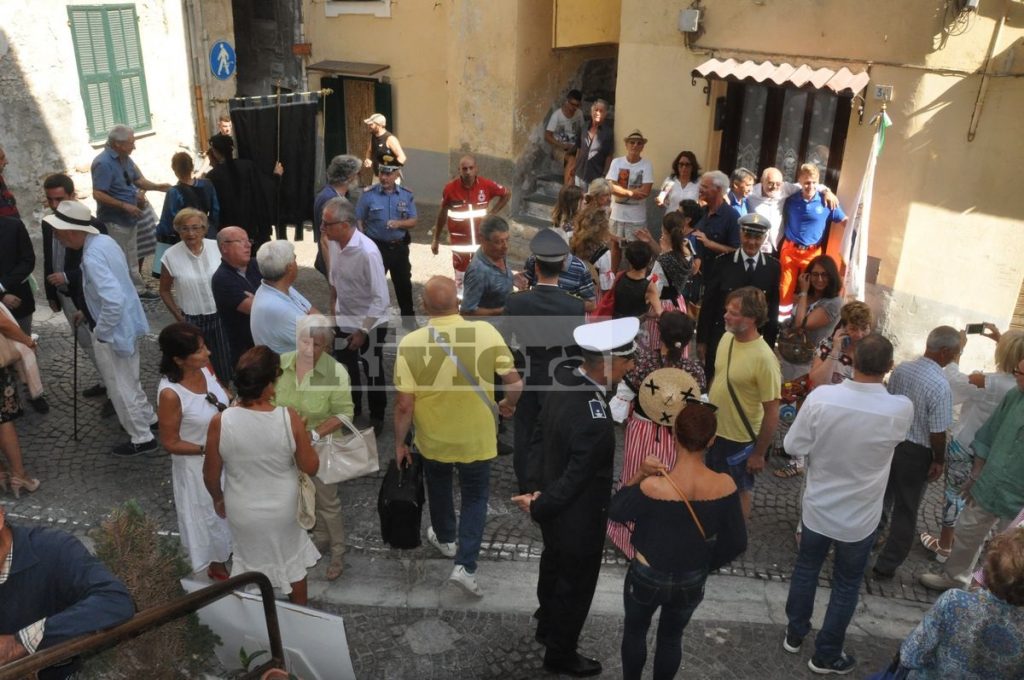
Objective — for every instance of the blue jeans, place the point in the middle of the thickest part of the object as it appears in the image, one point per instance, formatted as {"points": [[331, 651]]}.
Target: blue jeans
{"points": [[847, 572], [474, 487], [647, 589]]}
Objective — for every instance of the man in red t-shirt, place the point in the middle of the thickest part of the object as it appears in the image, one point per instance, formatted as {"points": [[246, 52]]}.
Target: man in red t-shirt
{"points": [[466, 200]]}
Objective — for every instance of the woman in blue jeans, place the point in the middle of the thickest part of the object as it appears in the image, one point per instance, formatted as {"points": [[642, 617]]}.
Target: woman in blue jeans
{"points": [[687, 521]]}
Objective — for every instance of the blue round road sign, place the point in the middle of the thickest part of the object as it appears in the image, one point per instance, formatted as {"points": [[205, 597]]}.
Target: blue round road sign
{"points": [[222, 60]]}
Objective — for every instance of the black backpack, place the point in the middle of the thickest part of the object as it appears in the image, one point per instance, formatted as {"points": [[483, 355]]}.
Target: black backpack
{"points": [[400, 504]]}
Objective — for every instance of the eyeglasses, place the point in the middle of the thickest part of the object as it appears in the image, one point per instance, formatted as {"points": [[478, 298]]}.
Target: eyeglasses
{"points": [[819, 275], [239, 240], [684, 164], [329, 224], [212, 398], [1016, 372]]}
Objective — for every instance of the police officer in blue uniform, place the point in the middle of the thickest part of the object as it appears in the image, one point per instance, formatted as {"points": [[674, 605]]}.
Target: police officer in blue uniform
{"points": [[386, 212], [540, 324], [570, 469]]}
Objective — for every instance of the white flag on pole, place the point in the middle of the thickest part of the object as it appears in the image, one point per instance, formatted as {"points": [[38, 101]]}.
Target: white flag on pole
{"points": [[855, 238]]}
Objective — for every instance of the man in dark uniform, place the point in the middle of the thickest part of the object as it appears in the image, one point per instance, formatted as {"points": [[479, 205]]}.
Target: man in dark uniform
{"points": [[541, 321], [570, 468], [386, 212], [747, 266]]}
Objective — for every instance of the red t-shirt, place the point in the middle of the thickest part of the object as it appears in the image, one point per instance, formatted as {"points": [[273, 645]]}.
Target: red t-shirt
{"points": [[457, 197]]}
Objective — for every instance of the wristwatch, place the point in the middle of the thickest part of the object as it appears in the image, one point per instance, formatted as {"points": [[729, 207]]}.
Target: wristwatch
{"points": [[314, 435]]}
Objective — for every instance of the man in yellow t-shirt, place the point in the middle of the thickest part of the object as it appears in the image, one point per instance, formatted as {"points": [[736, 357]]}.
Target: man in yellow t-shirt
{"points": [[451, 402], [749, 365]]}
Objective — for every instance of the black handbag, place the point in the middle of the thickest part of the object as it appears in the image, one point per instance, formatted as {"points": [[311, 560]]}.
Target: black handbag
{"points": [[793, 343], [400, 504]]}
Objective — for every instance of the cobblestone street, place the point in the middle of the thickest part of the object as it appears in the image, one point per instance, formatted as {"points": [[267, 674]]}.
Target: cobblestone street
{"points": [[81, 482]]}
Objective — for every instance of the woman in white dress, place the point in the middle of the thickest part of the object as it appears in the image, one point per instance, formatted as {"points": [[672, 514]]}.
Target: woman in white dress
{"points": [[187, 267], [260, 448], [187, 398], [681, 183]]}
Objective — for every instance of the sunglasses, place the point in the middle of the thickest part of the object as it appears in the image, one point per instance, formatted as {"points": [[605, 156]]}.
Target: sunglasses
{"points": [[694, 401], [212, 398]]}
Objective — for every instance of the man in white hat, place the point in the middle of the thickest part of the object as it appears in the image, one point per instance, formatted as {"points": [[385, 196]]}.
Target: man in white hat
{"points": [[571, 468], [632, 178], [383, 147], [115, 317]]}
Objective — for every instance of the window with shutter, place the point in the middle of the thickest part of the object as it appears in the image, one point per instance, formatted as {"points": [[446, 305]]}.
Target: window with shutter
{"points": [[110, 68]]}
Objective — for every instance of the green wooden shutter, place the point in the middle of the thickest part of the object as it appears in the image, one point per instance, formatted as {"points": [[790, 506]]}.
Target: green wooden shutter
{"points": [[110, 69]]}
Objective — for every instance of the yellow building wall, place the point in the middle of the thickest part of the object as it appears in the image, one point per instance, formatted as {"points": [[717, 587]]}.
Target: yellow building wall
{"points": [[586, 22], [946, 219]]}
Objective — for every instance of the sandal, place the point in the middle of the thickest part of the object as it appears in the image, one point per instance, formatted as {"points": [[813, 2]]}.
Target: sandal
{"points": [[788, 471], [335, 568], [931, 544]]}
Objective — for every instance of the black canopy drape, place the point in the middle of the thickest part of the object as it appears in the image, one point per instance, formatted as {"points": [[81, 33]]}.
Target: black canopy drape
{"points": [[255, 121]]}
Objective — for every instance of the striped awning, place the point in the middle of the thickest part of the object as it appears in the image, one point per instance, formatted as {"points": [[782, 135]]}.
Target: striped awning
{"points": [[843, 81]]}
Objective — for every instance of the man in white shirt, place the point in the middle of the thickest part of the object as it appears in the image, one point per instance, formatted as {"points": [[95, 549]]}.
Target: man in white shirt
{"points": [[359, 298], [848, 432], [632, 178], [563, 133], [767, 199]]}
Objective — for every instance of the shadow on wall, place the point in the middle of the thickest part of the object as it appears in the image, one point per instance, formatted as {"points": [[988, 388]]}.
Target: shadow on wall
{"points": [[31, 151]]}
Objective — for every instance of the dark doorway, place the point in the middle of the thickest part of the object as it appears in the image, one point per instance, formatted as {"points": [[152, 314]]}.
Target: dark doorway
{"points": [[352, 102]]}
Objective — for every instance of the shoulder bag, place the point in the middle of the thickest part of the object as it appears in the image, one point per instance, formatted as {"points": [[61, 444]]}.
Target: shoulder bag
{"points": [[345, 456], [305, 513], [484, 397], [743, 454], [793, 343]]}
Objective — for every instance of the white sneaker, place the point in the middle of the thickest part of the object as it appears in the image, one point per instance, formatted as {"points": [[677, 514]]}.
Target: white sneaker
{"points": [[465, 580], [446, 549]]}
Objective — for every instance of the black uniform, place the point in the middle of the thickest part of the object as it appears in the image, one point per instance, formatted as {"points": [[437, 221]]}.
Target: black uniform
{"points": [[543, 343], [17, 260], [571, 464], [728, 272]]}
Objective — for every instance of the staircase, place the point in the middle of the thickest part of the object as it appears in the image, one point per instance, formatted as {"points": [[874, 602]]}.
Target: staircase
{"points": [[536, 207]]}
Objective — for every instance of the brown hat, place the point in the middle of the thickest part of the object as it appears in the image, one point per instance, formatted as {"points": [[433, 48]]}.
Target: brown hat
{"points": [[664, 392], [635, 136]]}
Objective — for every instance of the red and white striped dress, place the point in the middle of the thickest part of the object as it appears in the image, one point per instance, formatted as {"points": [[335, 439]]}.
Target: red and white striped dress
{"points": [[646, 438]]}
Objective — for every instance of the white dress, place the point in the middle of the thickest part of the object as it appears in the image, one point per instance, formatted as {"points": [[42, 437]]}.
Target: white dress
{"points": [[206, 536], [261, 495]]}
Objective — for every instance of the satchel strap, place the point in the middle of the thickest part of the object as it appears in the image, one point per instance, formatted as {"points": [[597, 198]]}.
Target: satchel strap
{"points": [[484, 397], [732, 393], [700, 527]]}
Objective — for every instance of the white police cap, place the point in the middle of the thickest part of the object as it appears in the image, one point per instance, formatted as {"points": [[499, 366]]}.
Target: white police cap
{"points": [[614, 337]]}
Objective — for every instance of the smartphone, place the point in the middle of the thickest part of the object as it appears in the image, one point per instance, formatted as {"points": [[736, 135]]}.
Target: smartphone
{"points": [[975, 328]]}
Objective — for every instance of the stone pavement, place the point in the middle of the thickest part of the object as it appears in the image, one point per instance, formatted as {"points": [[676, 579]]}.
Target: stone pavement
{"points": [[81, 482]]}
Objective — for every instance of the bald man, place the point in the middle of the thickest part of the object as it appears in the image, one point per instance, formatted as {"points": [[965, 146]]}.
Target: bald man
{"points": [[465, 202], [234, 284], [441, 369]]}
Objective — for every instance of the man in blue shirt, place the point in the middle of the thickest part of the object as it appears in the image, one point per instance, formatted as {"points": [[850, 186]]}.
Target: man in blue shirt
{"points": [[488, 279], [342, 171], [234, 286], [806, 216], [719, 229], [742, 183], [116, 184], [386, 212], [277, 306], [114, 313]]}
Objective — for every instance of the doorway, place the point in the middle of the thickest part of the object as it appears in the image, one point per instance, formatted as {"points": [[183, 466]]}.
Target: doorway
{"points": [[353, 101]]}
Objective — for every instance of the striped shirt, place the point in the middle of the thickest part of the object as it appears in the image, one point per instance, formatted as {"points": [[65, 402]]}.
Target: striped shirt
{"points": [[923, 382]]}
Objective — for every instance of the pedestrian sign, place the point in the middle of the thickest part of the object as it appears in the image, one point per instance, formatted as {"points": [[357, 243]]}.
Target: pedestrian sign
{"points": [[222, 60]]}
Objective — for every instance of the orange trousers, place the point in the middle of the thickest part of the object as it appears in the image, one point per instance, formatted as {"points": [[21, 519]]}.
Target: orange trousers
{"points": [[793, 260]]}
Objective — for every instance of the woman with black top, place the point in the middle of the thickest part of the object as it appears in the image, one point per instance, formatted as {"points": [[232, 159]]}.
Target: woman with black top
{"points": [[688, 522]]}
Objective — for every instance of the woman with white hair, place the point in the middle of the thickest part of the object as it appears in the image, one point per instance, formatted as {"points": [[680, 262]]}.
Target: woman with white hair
{"points": [[277, 306], [342, 173], [317, 387]]}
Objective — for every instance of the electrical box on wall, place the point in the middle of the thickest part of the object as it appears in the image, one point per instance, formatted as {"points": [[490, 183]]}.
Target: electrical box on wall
{"points": [[689, 20]]}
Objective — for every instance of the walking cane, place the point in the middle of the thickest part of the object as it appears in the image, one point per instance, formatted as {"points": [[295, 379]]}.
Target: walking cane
{"points": [[74, 381]]}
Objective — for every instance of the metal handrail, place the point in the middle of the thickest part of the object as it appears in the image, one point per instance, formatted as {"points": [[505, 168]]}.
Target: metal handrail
{"points": [[153, 618]]}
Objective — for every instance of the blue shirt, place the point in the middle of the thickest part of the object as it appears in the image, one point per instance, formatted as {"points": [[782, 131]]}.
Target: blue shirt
{"points": [[273, 317], [485, 284], [110, 295], [806, 220], [115, 177], [376, 207], [741, 206], [723, 226], [922, 381], [230, 287]]}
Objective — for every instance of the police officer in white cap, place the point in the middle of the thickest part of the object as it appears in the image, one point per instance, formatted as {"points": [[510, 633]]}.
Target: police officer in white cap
{"points": [[570, 468], [540, 324]]}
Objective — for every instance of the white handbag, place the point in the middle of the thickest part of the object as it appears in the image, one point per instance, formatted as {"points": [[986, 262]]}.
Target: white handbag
{"points": [[346, 455]]}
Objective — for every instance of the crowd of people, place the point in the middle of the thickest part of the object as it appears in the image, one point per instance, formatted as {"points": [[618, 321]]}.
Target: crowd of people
{"points": [[690, 340]]}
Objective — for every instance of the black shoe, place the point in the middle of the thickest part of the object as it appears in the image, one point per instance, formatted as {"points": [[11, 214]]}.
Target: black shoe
{"points": [[97, 390], [39, 404], [505, 449], [841, 666], [792, 643], [576, 665], [881, 575], [108, 409], [130, 450]]}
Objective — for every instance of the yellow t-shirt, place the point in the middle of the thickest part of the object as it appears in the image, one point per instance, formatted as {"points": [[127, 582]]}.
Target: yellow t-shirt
{"points": [[453, 424], [756, 378]]}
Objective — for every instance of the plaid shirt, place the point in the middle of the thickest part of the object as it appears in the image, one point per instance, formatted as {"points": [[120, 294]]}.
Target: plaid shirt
{"points": [[924, 383]]}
